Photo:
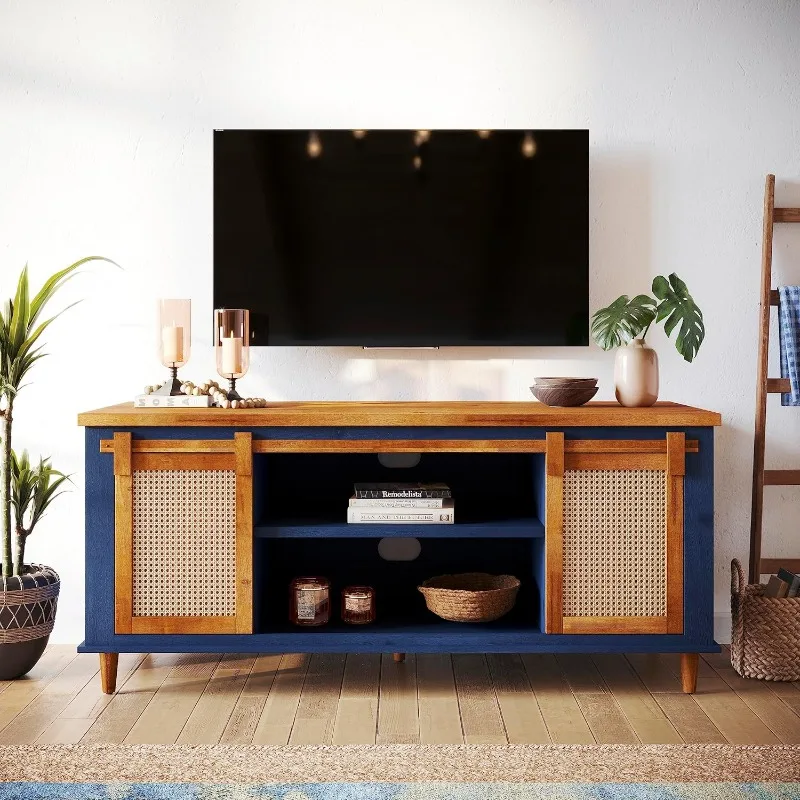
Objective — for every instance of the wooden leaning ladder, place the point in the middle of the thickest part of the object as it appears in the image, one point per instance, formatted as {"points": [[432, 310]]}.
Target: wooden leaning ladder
{"points": [[764, 386]]}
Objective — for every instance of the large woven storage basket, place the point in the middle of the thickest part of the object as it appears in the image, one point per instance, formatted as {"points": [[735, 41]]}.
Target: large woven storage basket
{"points": [[470, 596], [765, 635]]}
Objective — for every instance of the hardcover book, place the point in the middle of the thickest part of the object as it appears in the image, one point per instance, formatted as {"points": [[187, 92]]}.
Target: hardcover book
{"points": [[401, 491], [792, 579], [776, 587], [397, 502], [432, 516]]}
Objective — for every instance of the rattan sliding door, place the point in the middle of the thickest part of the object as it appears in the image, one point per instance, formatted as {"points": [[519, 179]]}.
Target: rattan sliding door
{"points": [[614, 536], [183, 535]]}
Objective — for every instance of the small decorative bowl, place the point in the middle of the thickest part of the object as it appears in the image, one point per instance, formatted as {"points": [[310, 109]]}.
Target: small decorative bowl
{"points": [[586, 383], [564, 396]]}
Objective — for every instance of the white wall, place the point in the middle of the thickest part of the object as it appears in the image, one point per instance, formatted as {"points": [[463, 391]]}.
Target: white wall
{"points": [[106, 113]]}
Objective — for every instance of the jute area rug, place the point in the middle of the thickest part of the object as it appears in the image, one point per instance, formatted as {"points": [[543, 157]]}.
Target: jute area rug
{"points": [[400, 772]]}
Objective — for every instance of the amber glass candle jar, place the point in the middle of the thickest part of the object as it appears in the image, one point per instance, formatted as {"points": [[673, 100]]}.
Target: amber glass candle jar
{"points": [[358, 605], [310, 601]]}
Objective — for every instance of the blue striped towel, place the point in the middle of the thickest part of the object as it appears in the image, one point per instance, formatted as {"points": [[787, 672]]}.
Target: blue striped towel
{"points": [[789, 326]]}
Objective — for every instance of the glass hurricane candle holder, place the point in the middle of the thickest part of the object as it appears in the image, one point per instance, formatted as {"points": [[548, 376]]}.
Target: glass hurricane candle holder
{"points": [[232, 345], [174, 340]]}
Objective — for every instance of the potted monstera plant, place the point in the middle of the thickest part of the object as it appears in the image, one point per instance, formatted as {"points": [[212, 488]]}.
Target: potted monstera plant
{"points": [[624, 325], [28, 592]]}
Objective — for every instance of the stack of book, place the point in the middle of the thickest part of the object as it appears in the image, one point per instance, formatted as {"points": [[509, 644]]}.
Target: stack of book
{"points": [[784, 584], [411, 503]]}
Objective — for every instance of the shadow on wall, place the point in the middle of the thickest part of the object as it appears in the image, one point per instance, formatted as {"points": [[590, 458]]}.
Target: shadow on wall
{"points": [[731, 479], [620, 224], [440, 380]]}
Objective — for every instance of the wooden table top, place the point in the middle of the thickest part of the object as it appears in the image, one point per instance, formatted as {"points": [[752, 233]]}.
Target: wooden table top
{"points": [[455, 413]]}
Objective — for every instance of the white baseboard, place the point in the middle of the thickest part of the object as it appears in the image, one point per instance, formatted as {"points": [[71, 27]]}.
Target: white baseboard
{"points": [[722, 627]]}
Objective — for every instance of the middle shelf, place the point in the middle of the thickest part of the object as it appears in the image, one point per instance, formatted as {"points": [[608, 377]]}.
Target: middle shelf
{"points": [[515, 528]]}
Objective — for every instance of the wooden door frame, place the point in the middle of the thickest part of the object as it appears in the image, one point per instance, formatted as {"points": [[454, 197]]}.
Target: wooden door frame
{"points": [[650, 455], [131, 455]]}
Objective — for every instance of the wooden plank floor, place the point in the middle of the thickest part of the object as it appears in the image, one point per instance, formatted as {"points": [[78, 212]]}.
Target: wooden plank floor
{"points": [[368, 699]]}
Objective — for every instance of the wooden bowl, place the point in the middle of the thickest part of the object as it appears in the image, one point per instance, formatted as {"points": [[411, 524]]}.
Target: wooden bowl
{"points": [[585, 383], [563, 396]]}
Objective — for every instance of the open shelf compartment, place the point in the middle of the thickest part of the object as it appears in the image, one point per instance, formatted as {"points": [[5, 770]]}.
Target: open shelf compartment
{"points": [[306, 495], [400, 606]]}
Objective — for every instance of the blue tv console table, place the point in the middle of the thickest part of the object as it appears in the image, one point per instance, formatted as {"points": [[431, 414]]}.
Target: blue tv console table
{"points": [[198, 519]]}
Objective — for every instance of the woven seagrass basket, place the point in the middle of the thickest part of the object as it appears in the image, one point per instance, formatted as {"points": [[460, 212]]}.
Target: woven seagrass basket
{"points": [[470, 596], [765, 632]]}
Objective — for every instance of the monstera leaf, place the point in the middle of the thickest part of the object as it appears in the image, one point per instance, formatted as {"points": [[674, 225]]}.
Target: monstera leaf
{"points": [[677, 307], [622, 321]]}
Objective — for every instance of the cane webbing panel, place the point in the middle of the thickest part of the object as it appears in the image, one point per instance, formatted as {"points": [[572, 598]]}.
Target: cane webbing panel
{"points": [[615, 537], [184, 543]]}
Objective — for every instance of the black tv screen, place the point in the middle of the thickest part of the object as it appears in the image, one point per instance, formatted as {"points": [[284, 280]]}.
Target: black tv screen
{"points": [[401, 238]]}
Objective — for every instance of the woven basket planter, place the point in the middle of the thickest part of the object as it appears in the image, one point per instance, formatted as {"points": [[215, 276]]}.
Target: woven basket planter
{"points": [[471, 596], [27, 614], [765, 633]]}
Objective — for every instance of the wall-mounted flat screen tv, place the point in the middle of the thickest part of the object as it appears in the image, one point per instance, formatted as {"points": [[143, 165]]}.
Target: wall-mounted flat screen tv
{"points": [[404, 238]]}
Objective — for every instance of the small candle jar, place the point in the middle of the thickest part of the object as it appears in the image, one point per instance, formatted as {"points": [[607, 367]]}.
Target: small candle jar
{"points": [[358, 605], [309, 601]]}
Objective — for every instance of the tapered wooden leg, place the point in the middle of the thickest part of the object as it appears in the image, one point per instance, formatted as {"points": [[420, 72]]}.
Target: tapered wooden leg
{"points": [[689, 664], [108, 672], [399, 657]]}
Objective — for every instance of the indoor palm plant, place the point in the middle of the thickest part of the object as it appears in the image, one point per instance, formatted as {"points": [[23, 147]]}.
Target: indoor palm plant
{"points": [[624, 325], [28, 592]]}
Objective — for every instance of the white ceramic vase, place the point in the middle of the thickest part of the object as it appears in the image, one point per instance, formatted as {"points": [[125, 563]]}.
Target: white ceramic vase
{"points": [[636, 375]]}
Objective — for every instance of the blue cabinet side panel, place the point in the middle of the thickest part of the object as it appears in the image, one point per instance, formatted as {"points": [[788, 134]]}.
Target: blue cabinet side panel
{"points": [[539, 554], [99, 539], [698, 553]]}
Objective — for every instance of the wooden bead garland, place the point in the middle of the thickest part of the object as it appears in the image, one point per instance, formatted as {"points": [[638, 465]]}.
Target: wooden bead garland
{"points": [[218, 395]]}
